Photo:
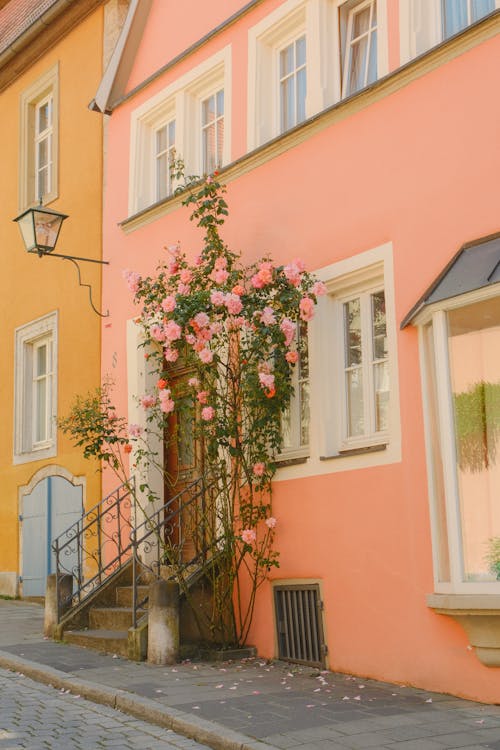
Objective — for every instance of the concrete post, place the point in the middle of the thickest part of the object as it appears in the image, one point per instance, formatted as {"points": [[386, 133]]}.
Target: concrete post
{"points": [[163, 622], [64, 590]]}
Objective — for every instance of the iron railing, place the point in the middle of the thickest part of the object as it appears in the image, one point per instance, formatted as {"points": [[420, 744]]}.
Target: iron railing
{"points": [[97, 545], [180, 534], [174, 539]]}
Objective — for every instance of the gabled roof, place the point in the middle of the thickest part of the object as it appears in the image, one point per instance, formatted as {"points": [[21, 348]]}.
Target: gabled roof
{"points": [[118, 71], [17, 16], [475, 266]]}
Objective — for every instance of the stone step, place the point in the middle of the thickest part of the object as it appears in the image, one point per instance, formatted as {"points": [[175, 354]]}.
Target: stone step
{"points": [[112, 618], [124, 595], [107, 641]]}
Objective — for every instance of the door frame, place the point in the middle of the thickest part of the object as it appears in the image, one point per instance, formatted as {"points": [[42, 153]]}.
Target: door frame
{"points": [[52, 470]]}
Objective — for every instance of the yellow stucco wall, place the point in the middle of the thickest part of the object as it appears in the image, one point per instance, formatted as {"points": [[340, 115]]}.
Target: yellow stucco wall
{"points": [[31, 287]]}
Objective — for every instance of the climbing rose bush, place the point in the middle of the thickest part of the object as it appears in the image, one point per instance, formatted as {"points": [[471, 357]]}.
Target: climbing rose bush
{"points": [[220, 339]]}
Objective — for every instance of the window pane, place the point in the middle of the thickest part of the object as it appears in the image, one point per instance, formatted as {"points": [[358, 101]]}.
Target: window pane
{"points": [[162, 177], [360, 22], [43, 182], [352, 326], [209, 149], [287, 103], [41, 410], [220, 103], [301, 95], [357, 65], [481, 8], [41, 360], [379, 330], [171, 133], [303, 351], [300, 52], [43, 117], [43, 153], [372, 61], [436, 470], [161, 139], [381, 384], [220, 141], [454, 16], [286, 61], [208, 110], [355, 418], [474, 344]]}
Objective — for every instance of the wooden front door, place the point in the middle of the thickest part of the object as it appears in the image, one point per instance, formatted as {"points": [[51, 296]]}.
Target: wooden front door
{"points": [[183, 462]]}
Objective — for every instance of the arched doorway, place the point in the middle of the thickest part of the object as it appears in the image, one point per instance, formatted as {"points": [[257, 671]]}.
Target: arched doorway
{"points": [[49, 506]]}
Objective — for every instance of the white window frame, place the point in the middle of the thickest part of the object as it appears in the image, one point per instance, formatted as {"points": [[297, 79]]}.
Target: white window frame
{"points": [[47, 136], [44, 89], [182, 101], [352, 9], [293, 75], [445, 418], [169, 152], [421, 27], [371, 436], [216, 123], [325, 338], [28, 339], [320, 21]]}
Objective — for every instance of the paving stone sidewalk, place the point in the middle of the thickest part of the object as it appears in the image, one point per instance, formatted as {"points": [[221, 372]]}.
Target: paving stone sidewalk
{"points": [[276, 704]]}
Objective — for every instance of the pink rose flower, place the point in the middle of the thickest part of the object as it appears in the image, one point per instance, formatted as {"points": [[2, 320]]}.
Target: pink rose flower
{"points": [[217, 298], [191, 340], [248, 536], [267, 316], [133, 279], [174, 250], [202, 397], [292, 357], [193, 382], [259, 469], [207, 413], [233, 303], [168, 303], [238, 289], [198, 261], [216, 327], [186, 276], [306, 306], [157, 332], [319, 289], [220, 276], [183, 288], [172, 330], [173, 267], [206, 356], [147, 401], [270, 522], [266, 380], [288, 328], [167, 405], [171, 355], [201, 319], [256, 282], [134, 430]]}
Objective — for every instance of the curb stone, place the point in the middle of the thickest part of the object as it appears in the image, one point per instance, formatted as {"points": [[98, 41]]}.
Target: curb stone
{"points": [[206, 732]]}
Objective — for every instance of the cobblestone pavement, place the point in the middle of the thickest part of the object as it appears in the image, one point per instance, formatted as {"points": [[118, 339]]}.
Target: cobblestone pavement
{"points": [[275, 703], [38, 717]]}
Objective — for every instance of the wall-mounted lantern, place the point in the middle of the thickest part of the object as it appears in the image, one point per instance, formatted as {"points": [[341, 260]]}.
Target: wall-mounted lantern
{"points": [[40, 227]]}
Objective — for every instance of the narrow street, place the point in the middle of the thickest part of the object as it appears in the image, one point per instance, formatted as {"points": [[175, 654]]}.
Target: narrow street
{"points": [[38, 717]]}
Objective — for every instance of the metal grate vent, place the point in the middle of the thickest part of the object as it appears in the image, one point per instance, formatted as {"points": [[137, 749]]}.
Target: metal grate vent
{"points": [[300, 629]]}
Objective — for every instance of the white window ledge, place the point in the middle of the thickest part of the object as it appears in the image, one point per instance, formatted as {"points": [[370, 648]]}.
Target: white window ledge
{"points": [[479, 615]]}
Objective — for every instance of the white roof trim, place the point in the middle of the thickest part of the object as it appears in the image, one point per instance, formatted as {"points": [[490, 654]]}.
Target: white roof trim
{"points": [[115, 78]]}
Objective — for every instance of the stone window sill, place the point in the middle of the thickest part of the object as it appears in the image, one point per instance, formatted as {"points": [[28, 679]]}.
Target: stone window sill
{"points": [[479, 615]]}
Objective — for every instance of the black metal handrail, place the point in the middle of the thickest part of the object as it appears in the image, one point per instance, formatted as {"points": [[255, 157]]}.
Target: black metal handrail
{"points": [[161, 539], [97, 545]]}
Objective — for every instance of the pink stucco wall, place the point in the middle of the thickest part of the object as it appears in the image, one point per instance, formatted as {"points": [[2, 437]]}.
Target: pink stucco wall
{"points": [[418, 169]]}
